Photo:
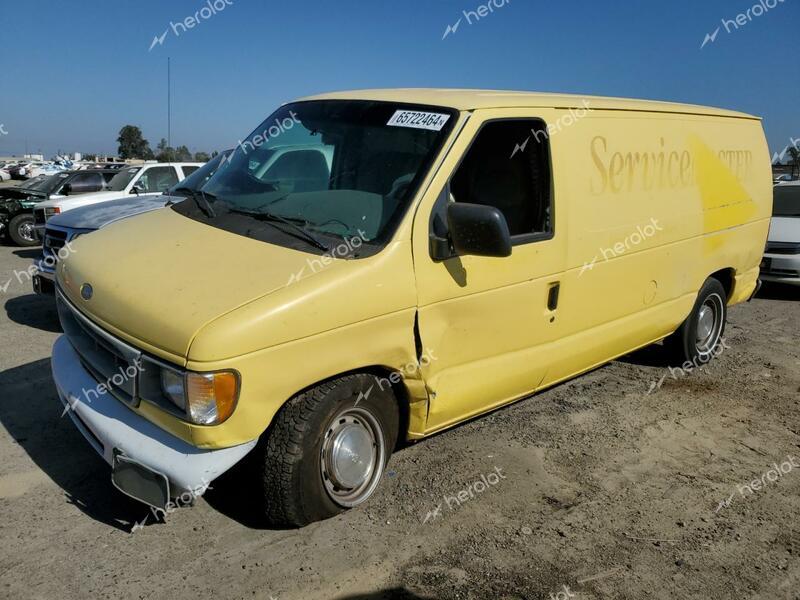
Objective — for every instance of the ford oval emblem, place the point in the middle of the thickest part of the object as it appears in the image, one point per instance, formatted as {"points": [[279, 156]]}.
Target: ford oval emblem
{"points": [[86, 291]]}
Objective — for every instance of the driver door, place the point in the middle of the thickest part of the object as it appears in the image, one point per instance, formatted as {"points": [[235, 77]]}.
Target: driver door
{"points": [[484, 322]]}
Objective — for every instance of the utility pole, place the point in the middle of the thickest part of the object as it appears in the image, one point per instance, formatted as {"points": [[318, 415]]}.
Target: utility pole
{"points": [[169, 104]]}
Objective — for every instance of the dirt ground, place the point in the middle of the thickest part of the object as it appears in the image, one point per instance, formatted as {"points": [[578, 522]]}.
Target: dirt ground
{"points": [[626, 483]]}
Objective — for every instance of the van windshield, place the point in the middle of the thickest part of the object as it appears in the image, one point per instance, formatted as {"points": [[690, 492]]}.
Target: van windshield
{"points": [[787, 201], [338, 168]]}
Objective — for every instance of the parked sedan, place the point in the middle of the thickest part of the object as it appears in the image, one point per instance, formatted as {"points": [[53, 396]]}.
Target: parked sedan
{"points": [[781, 262]]}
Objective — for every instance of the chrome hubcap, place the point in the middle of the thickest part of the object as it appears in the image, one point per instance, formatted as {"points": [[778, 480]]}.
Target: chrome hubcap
{"points": [[26, 232], [709, 324], [705, 323], [352, 458]]}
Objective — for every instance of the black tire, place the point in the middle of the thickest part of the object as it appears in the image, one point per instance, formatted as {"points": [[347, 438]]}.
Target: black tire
{"points": [[21, 230], [296, 488], [689, 342]]}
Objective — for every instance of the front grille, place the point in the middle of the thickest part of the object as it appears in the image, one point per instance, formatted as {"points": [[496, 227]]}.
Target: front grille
{"points": [[783, 248], [54, 240], [38, 216], [110, 361]]}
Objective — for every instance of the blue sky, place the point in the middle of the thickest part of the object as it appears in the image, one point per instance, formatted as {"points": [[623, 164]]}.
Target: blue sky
{"points": [[75, 72]]}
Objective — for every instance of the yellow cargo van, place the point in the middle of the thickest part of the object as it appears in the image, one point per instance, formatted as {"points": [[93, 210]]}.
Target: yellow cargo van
{"points": [[376, 266]]}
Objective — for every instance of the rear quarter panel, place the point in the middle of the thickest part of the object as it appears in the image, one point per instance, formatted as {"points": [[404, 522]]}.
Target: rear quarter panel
{"points": [[655, 203]]}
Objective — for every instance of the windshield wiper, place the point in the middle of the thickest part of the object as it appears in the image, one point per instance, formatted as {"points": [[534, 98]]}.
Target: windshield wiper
{"points": [[273, 218]]}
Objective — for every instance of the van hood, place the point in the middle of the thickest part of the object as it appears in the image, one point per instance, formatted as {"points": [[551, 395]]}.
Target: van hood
{"points": [[158, 279], [104, 213], [785, 229]]}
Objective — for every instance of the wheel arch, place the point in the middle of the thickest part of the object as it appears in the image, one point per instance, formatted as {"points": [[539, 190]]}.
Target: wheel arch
{"points": [[727, 277], [394, 380]]}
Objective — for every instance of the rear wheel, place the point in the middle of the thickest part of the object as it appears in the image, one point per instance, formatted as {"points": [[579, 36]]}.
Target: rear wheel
{"points": [[22, 231], [327, 449], [698, 338]]}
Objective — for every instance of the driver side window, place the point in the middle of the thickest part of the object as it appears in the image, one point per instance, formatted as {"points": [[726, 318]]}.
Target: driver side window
{"points": [[508, 167]]}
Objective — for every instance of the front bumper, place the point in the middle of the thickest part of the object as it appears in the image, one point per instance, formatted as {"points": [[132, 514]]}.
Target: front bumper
{"points": [[44, 279], [781, 268], [111, 428], [45, 270]]}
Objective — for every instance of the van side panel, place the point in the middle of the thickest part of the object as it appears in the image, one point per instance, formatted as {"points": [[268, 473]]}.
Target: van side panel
{"points": [[657, 203]]}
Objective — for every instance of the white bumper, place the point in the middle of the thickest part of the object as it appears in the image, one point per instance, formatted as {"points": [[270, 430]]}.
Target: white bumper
{"points": [[108, 424]]}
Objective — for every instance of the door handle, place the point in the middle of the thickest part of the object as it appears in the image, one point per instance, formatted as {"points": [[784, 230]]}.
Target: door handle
{"points": [[552, 296]]}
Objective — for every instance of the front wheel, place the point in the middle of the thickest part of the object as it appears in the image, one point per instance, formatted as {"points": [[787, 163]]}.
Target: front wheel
{"points": [[697, 340], [327, 449], [22, 231]]}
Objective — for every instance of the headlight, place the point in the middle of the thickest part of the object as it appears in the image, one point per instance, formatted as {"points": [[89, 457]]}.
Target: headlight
{"points": [[200, 398], [173, 387], [50, 211]]}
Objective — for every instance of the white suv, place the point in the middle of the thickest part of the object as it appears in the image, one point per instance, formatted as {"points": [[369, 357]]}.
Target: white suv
{"points": [[149, 178], [782, 260]]}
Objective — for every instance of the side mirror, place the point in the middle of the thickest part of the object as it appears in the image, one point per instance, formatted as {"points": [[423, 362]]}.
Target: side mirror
{"points": [[137, 189], [67, 190], [475, 230]]}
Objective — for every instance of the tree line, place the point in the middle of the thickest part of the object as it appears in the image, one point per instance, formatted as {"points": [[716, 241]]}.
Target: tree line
{"points": [[133, 145]]}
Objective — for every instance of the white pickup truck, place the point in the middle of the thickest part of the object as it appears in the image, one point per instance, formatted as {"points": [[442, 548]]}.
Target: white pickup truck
{"points": [[149, 178]]}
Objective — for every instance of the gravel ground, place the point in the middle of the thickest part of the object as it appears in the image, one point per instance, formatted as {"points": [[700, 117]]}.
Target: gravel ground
{"points": [[625, 483]]}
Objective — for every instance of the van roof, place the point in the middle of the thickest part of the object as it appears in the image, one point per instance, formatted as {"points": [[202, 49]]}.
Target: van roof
{"points": [[477, 99]]}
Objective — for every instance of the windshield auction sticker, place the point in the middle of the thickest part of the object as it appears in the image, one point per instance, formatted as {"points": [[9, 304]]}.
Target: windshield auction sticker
{"points": [[418, 120]]}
